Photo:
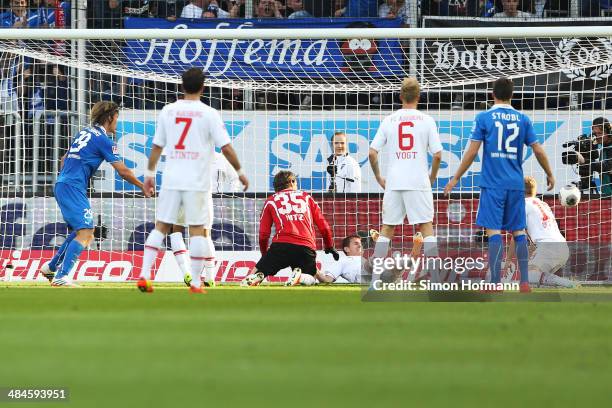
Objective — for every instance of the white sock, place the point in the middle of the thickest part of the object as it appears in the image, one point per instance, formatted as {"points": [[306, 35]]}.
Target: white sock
{"points": [[197, 249], [552, 279], [151, 248], [209, 260], [382, 247], [430, 248], [307, 280], [536, 278], [380, 252], [180, 252]]}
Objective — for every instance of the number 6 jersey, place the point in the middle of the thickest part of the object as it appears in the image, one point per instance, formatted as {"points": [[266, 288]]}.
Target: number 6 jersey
{"points": [[294, 214], [408, 136], [189, 131]]}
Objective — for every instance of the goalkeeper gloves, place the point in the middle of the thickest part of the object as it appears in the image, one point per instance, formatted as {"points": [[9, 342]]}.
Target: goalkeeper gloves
{"points": [[334, 253]]}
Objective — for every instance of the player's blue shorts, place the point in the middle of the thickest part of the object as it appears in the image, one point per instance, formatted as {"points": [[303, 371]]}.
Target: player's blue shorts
{"points": [[501, 209], [74, 206]]}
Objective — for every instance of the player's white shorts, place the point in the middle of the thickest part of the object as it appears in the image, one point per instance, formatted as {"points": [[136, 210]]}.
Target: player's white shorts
{"points": [[417, 205], [185, 207], [549, 257]]}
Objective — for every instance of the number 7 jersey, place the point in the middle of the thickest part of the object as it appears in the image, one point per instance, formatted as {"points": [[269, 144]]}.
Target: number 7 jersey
{"points": [[189, 131], [294, 214]]}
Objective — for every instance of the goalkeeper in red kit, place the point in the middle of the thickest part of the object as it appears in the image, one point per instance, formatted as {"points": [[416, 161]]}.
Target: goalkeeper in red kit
{"points": [[294, 214]]}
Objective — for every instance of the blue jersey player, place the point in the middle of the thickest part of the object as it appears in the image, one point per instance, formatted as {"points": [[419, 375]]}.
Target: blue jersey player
{"points": [[89, 149], [503, 131]]}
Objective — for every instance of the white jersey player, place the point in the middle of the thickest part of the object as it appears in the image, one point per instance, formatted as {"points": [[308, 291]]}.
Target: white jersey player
{"points": [[409, 136], [551, 250], [187, 132], [350, 267]]}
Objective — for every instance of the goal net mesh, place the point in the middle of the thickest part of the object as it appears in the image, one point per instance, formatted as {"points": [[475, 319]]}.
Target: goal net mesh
{"points": [[282, 100]]}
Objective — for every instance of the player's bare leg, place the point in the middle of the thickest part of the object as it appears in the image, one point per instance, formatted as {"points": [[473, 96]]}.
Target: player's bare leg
{"points": [[181, 255], [151, 249]]}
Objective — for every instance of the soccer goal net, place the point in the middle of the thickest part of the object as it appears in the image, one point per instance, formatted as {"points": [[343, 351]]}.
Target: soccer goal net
{"points": [[283, 94]]}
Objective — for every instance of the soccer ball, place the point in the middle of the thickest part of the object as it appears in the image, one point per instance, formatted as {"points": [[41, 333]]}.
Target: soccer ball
{"points": [[569, 196]]}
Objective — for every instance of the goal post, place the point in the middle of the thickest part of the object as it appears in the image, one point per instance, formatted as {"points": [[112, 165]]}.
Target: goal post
{"points": [[283, 93]]}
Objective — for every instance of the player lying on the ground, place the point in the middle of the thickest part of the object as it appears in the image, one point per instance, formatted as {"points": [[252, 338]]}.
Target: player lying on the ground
{"points": [[551, 250], [294, 214], [350, 267], [409, 135], [88, 150], [503, 131], [188, 132]]}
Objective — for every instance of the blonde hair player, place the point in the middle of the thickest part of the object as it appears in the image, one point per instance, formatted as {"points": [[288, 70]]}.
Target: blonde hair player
{"points": [[409, 135]]}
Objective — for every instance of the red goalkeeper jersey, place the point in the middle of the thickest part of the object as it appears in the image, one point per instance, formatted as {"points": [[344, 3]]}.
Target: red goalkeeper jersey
{"points": [[294, 214]]}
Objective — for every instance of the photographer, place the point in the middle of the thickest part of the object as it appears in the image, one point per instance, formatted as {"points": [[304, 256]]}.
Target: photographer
{"points": [[584, 155], [602, 131], [344, 171]]}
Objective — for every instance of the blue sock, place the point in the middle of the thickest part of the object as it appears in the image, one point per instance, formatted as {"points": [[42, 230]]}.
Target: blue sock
{"points": [[72, 254], [522, 254], [59, 255], [495, 257]]}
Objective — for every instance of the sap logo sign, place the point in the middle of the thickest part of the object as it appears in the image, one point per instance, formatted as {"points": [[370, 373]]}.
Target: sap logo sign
{"points": [[303, 147]]}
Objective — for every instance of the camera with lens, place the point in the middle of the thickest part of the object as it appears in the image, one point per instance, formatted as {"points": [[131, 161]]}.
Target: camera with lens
{"points": [[583, 155]]}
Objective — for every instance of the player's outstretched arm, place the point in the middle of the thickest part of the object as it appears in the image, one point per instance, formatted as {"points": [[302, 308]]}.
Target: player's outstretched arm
{"points": [[324, 278], [373, 157], [128, 175], [468, 158], [323, 226], [542, 158], [231, 156]]}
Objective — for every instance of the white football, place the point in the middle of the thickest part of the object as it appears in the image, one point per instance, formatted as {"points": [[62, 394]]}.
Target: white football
{"points": [[569, 196]]}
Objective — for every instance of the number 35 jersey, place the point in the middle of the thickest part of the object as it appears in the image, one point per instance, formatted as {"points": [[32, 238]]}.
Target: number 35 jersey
{"points": [[189, 131], [409, 135], [294, 214], [89, 149]]}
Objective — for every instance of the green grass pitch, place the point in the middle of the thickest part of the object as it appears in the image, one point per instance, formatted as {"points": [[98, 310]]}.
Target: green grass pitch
{"points": [[300, 347]]}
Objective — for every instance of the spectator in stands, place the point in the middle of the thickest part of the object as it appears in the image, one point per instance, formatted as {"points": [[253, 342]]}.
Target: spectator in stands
{"points": [[361, 8], [167, 9], [136, 8], [268, 9], [194, 9], [395, 9], [339, 8], [596, 8], [296, 9], [16, 16], [511, 10]]}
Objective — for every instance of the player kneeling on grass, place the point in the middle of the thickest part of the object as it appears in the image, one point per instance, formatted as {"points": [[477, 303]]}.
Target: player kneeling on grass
{"points": [[87, 152], [294, 214], [409, 136], [551, 250]]}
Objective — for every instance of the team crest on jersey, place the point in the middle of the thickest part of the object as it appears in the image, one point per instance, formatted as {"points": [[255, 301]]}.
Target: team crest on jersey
{"points": [[115, 149]]}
